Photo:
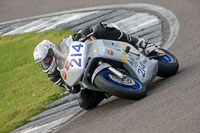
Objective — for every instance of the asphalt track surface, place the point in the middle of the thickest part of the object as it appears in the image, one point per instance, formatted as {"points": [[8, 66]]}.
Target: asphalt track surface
{"points": [[172, 104]]}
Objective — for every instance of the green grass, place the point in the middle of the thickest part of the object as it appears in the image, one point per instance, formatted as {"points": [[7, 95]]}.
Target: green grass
{"points": [[24, 88]]}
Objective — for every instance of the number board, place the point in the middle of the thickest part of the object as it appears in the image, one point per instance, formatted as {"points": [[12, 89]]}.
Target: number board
{"points": [[141, 69], [76, 55]]}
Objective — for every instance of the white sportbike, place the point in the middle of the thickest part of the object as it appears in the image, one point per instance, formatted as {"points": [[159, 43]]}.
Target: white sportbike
{"points": [[114, 67]]}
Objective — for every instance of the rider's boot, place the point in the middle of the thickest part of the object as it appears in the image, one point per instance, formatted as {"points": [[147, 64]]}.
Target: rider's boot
{"points": [[142, 44], [138, 43]]}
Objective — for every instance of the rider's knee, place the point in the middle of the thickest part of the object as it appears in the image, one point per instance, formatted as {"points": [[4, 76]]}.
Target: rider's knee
{"points": [[89, 99]]}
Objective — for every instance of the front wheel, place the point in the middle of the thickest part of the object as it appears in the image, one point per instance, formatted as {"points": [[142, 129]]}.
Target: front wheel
{"points": [[167, 65], [128, 88]]}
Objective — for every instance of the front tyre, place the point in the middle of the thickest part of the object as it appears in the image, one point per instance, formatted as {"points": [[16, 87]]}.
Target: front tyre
{"points": [[128, 88], [167, 65]]}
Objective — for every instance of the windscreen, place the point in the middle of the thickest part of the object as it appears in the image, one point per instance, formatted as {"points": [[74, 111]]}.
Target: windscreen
{"points": [[62, 51]]}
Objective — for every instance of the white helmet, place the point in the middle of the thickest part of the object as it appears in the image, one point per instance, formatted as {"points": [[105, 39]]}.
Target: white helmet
{"points": [[44, 56]]}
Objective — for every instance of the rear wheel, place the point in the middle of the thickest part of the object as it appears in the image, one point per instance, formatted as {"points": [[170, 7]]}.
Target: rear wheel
{"points": [[129, 87], [167, 65]]}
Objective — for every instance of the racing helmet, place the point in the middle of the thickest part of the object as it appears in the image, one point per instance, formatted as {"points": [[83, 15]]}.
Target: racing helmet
{"points": [[44, 56]]}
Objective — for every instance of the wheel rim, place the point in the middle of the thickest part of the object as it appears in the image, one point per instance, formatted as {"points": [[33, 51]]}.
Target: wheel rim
{"points": [[166, 58], [129, 83], [126, 81]]}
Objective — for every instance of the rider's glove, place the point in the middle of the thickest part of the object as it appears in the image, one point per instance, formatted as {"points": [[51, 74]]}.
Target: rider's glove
{"points": [[72, 89], [142, 43], [86, 31], [76, 37], [75, 89], [82, 34]]}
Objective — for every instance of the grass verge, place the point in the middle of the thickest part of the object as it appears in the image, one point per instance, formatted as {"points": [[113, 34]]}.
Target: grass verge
{"points": [[24, 88]]}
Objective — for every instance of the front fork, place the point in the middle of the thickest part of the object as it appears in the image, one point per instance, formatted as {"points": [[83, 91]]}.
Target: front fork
{"points": [[109, 67], [116, 72]]}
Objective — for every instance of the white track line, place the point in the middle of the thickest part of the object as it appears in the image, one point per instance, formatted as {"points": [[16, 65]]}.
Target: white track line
{"points": [[167, 14]]}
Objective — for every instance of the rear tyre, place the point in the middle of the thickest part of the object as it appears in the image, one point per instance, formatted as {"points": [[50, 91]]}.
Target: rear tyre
{"points": [[130, 88], [167, 65]]}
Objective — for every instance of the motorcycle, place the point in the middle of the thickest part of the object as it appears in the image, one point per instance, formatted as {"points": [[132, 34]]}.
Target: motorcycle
{"points": [[114, 67]]}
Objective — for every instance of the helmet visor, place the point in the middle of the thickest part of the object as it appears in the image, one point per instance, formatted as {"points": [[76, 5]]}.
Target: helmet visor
{"points": [[46, 62]]}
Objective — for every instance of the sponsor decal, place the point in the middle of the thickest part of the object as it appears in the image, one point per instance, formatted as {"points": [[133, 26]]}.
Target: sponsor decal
{"points": [[141, 70], [123, 59], [76, 55], [95, 49], [110, 52], [64, 75]]}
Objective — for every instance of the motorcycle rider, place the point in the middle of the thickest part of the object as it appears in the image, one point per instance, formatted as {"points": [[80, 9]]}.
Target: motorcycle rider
{"points": [[44, 55]]}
